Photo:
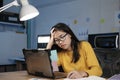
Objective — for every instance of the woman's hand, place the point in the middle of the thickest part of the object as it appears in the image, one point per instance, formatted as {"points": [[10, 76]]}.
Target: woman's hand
{"points": [[51, 41], [76, 74]]}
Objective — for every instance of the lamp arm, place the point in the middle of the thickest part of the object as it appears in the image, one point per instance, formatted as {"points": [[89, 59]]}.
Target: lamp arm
{"points": [[5, 7], [14, 3]]}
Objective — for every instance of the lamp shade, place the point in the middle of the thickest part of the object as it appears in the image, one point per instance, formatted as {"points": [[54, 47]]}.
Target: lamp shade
{"points": [[28, 12]]}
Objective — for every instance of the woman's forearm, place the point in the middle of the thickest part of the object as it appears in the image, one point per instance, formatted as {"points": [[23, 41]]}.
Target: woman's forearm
{"points": [[49, 45], [51, 42]]}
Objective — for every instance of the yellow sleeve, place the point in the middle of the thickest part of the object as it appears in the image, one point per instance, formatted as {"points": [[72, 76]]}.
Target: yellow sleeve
{"points": [[92, 62]]}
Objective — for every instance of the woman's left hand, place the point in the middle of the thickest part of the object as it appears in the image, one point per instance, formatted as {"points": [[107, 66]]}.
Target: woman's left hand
{"points": [[77, 74]]}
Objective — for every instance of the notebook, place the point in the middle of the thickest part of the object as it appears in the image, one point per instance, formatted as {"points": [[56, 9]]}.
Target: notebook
{"points": [[115, 77], [39, 63]]}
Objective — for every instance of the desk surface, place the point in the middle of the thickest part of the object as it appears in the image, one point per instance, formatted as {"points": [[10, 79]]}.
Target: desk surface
{"points": [[19, 75]]}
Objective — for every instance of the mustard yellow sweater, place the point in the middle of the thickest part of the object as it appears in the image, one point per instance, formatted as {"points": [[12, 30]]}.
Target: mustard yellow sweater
{"points": [[87, 62]]}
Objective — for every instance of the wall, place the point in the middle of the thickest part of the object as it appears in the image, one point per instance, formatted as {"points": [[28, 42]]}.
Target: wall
{"points": [[11, 45], [89, 16], [11, 42], [13, 8], [96, 16]]}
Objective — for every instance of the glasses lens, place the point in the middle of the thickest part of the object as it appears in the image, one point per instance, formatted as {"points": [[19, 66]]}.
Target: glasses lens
{"points": [[62, 38]]}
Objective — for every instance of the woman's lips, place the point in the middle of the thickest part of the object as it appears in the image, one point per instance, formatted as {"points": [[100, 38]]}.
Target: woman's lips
{"points": [[62, 46]]}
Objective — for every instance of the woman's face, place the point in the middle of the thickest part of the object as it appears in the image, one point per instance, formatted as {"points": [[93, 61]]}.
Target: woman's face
{"points": [[63, 40]]}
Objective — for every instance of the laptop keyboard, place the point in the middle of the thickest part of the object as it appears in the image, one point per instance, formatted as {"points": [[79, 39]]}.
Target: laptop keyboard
{"points": [[59, 74]]}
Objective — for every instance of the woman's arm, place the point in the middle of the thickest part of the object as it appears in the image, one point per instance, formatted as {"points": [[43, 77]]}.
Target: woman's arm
{"points": [[51, 41], [92, 62]]}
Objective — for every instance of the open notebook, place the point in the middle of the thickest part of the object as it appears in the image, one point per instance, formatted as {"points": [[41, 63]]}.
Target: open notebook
{"points": [[39, 63], [88, 78]]}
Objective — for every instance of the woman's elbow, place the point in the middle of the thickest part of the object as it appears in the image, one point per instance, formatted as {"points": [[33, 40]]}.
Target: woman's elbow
{"points": [[99, 72]]}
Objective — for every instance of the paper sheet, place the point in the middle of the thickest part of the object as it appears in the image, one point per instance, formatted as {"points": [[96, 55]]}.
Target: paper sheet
{"points": [[35, 79], [88, 78]]}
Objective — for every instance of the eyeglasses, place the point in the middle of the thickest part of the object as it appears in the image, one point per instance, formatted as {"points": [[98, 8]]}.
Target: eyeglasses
{"points": [[61, 38]]}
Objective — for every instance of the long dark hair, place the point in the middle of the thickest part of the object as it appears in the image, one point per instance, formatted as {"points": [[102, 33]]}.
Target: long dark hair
{"points": [[74, 41]]}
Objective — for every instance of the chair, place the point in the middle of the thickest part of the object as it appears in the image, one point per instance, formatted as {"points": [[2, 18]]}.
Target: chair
{"points": [[109, 60]]}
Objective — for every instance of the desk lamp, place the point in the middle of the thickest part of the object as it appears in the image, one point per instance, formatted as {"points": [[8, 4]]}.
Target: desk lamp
{"points": [[27, 11]]}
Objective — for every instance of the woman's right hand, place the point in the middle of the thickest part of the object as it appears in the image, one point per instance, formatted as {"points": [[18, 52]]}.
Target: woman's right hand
{"points": [[51, 41]]}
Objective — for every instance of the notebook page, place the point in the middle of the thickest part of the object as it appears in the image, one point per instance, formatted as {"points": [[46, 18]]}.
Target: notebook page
{"points": [[88, 78], [115, 77]]}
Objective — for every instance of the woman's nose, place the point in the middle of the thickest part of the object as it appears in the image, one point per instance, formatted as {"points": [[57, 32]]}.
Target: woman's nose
{"points": [[60, 41]]}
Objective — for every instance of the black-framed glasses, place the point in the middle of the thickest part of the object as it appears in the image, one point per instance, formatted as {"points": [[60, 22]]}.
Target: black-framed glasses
{"points": [[61, 38]]}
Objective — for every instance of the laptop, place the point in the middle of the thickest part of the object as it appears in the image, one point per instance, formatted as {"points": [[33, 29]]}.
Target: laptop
{"points": [[38, 63]]}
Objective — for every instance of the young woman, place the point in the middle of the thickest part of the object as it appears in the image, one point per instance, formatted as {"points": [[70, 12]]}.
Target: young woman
{"points": [[77, 58]]}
